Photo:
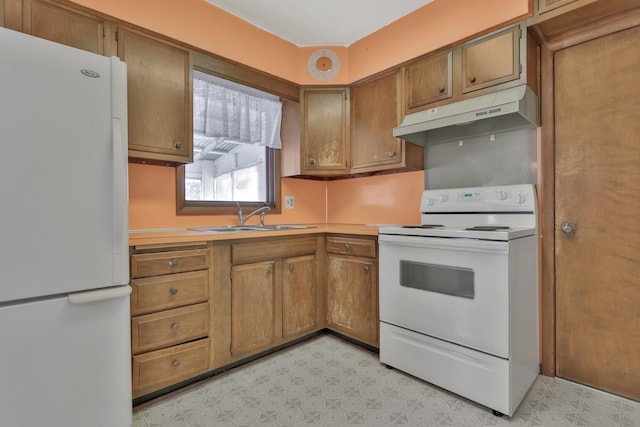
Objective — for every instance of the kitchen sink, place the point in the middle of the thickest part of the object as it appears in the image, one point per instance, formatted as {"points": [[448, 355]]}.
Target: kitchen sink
{"points": [[241, 228]]}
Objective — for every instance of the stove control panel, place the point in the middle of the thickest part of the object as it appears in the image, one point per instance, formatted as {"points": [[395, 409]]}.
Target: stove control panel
{"points": [[507, 198]]}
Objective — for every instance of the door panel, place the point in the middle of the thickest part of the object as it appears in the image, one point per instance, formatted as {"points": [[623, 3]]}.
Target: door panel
{"points": [[597, 123]]}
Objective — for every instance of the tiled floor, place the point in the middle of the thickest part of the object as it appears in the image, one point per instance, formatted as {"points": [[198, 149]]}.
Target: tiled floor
{"points": [[329, 382]]}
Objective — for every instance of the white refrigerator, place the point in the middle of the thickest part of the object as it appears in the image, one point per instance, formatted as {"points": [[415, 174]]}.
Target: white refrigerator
{"points": [[65, 356]]}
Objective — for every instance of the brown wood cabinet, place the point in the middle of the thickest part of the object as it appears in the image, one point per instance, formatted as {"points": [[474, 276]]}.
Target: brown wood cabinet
{"points": [[170, 311], [58, 23], [267, 292], [491, 60], [352, 288], [429, 80], [325, 131], [159, 98], [376, 108], [502, 59]]}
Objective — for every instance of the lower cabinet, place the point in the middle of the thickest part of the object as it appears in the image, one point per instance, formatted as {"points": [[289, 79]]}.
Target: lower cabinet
{"points": [[170, 315], [352, 288], [267, 292]]}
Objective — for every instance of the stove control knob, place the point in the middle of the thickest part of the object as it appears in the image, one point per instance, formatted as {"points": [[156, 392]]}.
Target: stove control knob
{"points": [[444, 197], [502, 195], [521, 198], [430, 201]]}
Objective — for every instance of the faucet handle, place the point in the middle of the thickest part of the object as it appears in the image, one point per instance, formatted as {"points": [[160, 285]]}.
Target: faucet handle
{"points": [[262, 215]]}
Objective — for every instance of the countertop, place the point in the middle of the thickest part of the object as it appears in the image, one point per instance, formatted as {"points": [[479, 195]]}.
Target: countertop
{"points": [[184, 235]]}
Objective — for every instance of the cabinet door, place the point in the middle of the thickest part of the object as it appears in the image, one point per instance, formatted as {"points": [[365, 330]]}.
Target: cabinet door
{"points": [[375, 111], [428, 80], [159, 92], [325, 131], [64, 25], [253, 288], [491, 60], [298, 295], [352, 297]]}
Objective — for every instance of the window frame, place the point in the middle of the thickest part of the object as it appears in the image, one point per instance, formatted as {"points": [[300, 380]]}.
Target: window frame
{"points": [[210, 64]]}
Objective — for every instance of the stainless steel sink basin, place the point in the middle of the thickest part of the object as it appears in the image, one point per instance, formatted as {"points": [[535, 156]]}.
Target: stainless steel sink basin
{"points": [[240, 228]]}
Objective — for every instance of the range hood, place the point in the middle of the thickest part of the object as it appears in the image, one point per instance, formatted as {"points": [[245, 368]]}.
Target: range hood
{"points": [[512, 108]]}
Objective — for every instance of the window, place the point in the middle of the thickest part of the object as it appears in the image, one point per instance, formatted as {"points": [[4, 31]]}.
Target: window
{"points": [[236, 142]]}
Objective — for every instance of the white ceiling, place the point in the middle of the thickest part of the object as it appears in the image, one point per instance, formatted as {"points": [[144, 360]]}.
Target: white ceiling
{"points": [[320, 22]]}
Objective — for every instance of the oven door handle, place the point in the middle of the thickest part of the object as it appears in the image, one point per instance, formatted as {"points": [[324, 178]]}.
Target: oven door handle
{"points": [[469, 245]]}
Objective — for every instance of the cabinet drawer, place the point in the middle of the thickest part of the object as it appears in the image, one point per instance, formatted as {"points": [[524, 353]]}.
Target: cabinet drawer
{"points": [[158, 330], [156, 264], [243, 253], [153, 294], [350, 246], [152, 371]]}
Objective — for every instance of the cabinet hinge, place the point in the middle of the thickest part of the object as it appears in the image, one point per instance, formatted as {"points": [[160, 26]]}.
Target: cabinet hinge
{"points": [[116, 35], [520, 69], [230, 275], [104, 33], [520, 32]]}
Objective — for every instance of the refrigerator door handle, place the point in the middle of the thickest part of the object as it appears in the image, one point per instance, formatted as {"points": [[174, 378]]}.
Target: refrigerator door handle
{"points": [[98, 295], [120, 274]]}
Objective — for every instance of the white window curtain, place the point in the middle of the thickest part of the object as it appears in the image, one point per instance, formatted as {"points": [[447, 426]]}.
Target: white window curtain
{"points": [[221, 112]]}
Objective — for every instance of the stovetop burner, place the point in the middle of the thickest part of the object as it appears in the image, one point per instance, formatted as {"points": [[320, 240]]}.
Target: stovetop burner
{"points": [[487, 228], [423, 226]]}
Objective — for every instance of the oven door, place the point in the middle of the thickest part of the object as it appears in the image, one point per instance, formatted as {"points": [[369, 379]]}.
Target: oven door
{"points": [[456, 290]]}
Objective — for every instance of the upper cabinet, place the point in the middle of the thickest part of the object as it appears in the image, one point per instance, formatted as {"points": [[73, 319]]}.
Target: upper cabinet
{"points": [[58, 23], [325, 131], [376, 108], [159, 98], [429, 80], [491, 60], [499, 60]]}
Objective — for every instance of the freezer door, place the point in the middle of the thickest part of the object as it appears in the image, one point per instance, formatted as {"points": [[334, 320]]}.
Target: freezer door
{"points": [[66, 362], [63, 180]]}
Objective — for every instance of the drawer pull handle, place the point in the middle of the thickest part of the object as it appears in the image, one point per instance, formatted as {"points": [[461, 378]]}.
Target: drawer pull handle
{"points": [[392, 154], [472, 79], [366, 268], [173, 263], [347, 246], [178, 145], [174, 291], [175, 363], [292, 267], [175, 327]]}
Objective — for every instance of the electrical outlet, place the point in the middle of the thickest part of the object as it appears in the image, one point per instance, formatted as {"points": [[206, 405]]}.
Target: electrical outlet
{"points": [[289, 202]]}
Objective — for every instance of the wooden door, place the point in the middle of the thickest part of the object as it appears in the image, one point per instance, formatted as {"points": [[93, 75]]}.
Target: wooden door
{"points": [[298, 295], [492, 60], [352, 297], [428, 80], [375, 111], [325, 135], [597, 188], [66, 26], [253, 293], [159, 93]]}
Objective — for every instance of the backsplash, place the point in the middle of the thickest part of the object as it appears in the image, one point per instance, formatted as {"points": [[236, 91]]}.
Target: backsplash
{"points": [[503, 158]]}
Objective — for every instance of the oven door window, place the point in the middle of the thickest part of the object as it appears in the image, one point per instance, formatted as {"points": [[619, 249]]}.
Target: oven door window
{"points": [[454, 281]]}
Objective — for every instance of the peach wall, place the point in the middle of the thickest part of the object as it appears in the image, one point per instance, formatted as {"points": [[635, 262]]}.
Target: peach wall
{"points": [[152, 202], [207, 27], [382, 199]]}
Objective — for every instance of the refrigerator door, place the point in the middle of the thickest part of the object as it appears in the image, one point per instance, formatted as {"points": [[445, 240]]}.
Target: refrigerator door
{"points": [[66, 361], [63, 176]]}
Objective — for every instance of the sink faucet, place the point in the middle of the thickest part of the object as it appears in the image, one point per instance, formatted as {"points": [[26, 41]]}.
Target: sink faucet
{"points": [[262, 210]]}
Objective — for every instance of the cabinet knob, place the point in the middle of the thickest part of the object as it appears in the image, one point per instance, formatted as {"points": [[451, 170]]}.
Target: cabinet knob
{"points": [[292, 267], [173, 291], [472, 79], [441, 89], [178, 145], [173, 263], [392, 154], [366, 268], [312, 162], [268, 272], [175, 363], [347, 246], [175, 327]]}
